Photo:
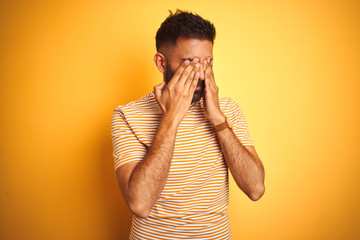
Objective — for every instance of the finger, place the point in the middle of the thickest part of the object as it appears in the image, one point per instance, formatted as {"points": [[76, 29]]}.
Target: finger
{"points": [[210, 62], [158, 90], [212, 69], [192, 75], [179, 72], [188, 71], [209, 76], [185, 74], [194, 82]]}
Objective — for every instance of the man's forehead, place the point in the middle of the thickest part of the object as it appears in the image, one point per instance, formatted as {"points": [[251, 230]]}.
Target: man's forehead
{"points": [[189, 48]]}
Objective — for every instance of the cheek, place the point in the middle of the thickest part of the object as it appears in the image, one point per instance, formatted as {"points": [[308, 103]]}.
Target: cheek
{"points": [[168, 74]]}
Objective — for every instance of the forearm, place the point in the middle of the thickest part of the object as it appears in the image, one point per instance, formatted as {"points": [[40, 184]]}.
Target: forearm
{"points": [[149, 176], [247, 170]]}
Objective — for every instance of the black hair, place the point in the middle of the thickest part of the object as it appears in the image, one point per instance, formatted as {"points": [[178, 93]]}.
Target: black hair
{"points": [[183, 24]]}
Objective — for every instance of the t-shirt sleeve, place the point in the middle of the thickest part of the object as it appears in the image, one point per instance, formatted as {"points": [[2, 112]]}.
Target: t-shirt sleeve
{"points": [[239, 125], [126, 146]]}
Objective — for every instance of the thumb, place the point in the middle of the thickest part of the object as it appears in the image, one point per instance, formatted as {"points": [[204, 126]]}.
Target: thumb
{"points": [[158, 90]]}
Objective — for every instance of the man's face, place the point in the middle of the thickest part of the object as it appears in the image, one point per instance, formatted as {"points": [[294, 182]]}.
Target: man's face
{"points": [[189, 49]]}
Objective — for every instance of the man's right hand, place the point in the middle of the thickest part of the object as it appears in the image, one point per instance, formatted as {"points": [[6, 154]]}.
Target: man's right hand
{"points": [[141, 183], [175, 97]]}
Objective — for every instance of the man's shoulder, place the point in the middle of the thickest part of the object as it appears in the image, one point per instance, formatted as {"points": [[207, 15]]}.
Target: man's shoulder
{"points": [[144, 105], [227, 104]]}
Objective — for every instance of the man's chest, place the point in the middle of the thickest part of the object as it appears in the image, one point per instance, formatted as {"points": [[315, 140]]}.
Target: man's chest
{"points": [[195, 133], [196, 146]]}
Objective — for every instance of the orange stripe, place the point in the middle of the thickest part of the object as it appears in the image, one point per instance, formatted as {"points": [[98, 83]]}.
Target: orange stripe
{"points": [[194, 200]]}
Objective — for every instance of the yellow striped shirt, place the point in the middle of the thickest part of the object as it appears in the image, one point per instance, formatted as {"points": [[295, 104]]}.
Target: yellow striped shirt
{"points": [[193, 203]]}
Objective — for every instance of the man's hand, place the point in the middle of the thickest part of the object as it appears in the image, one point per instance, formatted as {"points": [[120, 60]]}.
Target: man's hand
{"points": [[211, 93], [175, 97], [243, 162], [141, 183]]}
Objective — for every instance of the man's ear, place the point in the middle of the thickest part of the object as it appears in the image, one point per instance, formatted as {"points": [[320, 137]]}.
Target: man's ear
{"points": [[160, 62]]}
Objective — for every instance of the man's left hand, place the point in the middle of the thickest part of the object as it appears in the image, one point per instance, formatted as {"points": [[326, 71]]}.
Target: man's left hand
{"points": [[211, 93]]}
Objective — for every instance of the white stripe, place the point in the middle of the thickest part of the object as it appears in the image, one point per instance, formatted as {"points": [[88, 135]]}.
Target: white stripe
{"points": [[197, 182]]}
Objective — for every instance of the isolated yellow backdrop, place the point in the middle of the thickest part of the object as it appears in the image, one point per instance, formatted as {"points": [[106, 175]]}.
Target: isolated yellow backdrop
{"points": [[293, 67]]}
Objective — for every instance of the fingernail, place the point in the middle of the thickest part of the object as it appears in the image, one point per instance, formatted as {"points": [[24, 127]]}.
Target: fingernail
{"points": [[197, 74], [196, 60], [187, 62], [197, 65], [205, 62]]}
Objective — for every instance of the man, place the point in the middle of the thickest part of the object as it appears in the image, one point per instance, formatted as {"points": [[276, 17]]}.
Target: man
{"points": [[174, 146]]}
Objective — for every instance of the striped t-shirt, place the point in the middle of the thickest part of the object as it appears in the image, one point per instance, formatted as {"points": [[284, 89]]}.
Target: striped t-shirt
{"points": [[193, 203]]}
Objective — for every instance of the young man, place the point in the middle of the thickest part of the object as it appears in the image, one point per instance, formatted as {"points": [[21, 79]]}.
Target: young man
{"points": [[174, 146]]}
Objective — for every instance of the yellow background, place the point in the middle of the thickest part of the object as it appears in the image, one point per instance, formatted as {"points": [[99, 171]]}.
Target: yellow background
{"points": [[293, 67]]}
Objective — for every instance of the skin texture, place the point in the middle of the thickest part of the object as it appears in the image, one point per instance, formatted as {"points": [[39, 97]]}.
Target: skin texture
{"points": [[141, 183], [243, 161], [169, 73]]}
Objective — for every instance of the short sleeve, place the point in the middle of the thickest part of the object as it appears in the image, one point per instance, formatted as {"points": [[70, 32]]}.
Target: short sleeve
{"points": [[126, 146], [238, 122]]}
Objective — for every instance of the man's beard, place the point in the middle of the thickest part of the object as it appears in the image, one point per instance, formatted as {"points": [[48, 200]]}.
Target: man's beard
{"points": [[197, 94]]}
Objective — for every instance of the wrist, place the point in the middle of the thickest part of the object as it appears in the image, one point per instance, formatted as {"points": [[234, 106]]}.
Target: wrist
{"points": [[222, 126], [170, 122], [218, 119]]}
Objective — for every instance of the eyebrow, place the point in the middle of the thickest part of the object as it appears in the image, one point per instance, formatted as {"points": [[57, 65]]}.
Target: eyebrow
{"points": [[190, 59]]}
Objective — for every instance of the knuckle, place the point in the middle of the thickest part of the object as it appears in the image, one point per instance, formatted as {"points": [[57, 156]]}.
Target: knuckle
{"points": [[177, 75], [185, 73], [180, 69], [191, 75], [188, 70]]}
